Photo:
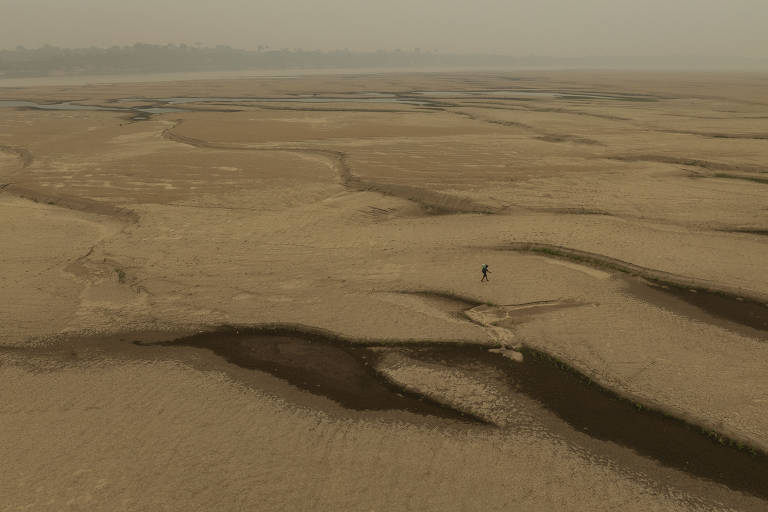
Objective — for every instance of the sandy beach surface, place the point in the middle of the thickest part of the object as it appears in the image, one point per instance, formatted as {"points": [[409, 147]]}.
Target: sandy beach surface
{"points": [[264, 293]]}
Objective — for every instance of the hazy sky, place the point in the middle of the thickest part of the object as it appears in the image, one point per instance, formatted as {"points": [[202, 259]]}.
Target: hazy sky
{"points": [[515, 27]]}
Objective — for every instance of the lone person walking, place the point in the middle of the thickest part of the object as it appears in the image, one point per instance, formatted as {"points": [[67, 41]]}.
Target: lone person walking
{"points": [[485, 270]]}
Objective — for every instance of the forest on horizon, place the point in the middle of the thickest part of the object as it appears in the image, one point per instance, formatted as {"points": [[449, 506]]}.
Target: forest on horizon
{"points": [[152, 58]]}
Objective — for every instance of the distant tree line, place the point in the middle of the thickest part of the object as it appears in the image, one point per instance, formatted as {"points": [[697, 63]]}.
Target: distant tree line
{"points": [[151, 58]]}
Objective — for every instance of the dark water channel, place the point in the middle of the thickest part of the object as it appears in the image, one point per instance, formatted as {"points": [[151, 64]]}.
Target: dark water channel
{"points": [[419, 98], [345, 373], [69, 106], [423, 98]]}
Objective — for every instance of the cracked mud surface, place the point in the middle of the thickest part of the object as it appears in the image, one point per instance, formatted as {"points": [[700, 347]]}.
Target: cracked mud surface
{"points": [[370, 224]]}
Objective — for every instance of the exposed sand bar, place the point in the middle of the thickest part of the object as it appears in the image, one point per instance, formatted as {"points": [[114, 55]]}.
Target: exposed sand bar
{"points": [[368, 221]]}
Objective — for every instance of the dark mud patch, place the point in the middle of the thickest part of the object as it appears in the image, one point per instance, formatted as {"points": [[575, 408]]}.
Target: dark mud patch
{"points": [[542, 135], [516, 314], [455, 298], [140, 113], [692, 162], [720, 135], [434, 203], [726, 304], [512, 124], [601, 414], [73, 203], [580, 113], [755, 179], [737, 310], [748, 231], [330, 109], [451, 303], [558, 110], [568, 138], [569, 210], [577, 211], [322, 365], [25, 157]]}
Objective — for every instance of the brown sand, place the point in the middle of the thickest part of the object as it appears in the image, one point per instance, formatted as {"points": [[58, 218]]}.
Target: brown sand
{"points": [[328, 215]]}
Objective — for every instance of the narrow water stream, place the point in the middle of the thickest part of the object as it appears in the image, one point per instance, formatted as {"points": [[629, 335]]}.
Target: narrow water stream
{"points": [[69, 106]]}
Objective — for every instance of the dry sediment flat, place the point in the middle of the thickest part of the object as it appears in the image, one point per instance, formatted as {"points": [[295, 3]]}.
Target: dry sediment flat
{"points": [[623, 216]]}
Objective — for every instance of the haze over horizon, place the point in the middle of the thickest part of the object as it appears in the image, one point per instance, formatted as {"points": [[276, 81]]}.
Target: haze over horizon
{"points": [[697, 29]]}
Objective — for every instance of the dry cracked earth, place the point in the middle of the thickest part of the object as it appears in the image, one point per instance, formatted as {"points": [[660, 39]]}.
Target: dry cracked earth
{"points": [[264, 293]]}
